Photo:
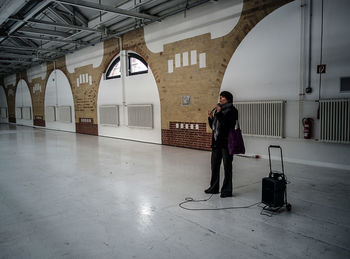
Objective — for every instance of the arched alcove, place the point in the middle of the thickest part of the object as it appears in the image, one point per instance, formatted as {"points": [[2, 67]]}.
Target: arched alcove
{"points": [[24, 107], [265, 65], [128, 101], [59, 103], [3, 105]]}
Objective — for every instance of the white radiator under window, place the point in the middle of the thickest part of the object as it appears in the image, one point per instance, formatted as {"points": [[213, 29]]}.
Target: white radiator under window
{"points": [[335, 121], [261, 118], [3, 113], [64, 114], [18, 112], [140, 115], [26, 113], [109, 115], [50, 115]]}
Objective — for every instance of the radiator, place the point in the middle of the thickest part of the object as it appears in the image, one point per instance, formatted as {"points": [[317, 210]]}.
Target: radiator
{"points": [[64, 114], [109, 115], [3, 113], [50, 113], [27, 113], [261, 118], [140, 116], [334, 120], [19, 113]]}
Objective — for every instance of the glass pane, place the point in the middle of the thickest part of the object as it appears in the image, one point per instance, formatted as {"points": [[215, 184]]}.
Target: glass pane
{"points": [[115, 70], [137, 66]]}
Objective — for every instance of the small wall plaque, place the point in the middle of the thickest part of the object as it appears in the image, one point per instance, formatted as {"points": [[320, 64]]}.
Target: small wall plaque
{"points": [[321, 69], [186, 100]]}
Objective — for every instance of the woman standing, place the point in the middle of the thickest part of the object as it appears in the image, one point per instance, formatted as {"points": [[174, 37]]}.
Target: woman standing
{"points": [[223, 119]]}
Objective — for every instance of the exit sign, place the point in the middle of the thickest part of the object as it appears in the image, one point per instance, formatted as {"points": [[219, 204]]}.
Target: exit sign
{"points": [[321, 69]]}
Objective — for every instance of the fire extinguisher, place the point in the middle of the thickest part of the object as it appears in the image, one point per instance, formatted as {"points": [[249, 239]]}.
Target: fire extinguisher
{"points": [[307, 123]]}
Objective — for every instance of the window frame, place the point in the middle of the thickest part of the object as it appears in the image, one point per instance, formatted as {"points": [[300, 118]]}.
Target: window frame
{"points": [[134, 55], [111, 66]]}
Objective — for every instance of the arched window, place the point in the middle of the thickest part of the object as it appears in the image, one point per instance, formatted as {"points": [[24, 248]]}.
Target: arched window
{"points": [[137, 65], [114, 69]]}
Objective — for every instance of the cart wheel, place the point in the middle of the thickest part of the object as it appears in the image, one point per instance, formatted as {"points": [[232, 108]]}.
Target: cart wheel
{"points": [[289, 207]]}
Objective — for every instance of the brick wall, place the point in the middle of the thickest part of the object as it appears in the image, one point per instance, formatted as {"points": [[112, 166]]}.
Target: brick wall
{"points": [[187, 134], [86, 126], [202, 84], [10, 91], [84, 95], [39, 121], [37, 92]]}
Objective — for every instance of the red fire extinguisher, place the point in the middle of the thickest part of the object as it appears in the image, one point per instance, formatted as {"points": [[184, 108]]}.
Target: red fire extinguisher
{"points": [[307, 123]]}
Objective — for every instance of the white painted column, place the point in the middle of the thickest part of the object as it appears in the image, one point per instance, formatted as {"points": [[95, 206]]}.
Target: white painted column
{"points": [[123, 72]]}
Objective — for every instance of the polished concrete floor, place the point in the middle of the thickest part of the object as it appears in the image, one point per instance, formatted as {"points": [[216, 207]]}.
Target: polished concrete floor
{"points": [[66, 195]]}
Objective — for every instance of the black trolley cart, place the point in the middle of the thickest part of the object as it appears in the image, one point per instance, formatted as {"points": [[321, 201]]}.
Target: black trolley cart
{"points": [[274, 189]]}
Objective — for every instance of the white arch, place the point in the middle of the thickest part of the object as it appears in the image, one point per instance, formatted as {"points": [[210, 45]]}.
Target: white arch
{"points": [[222, 18], [24, 107], [58, 94], [90, 55], [138, 89], [263, 67], [3, 106]]}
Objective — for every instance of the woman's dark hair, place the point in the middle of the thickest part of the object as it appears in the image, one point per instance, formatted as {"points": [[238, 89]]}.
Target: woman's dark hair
{"points": [[227, 95]]}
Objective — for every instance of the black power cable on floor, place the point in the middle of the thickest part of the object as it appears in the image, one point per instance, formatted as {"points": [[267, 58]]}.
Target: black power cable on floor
{"points": [[190, 199]]}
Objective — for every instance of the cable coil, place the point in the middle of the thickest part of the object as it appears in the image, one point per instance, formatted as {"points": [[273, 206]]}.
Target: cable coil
{"points": [[190, 199]]}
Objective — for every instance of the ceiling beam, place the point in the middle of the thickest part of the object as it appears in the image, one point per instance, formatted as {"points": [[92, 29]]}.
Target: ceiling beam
{"points": [[45, 32], [16, 35], [22, 42], [58, 16], [14, 61], [105, 8], [14, 55], [32, 49], [32, 13], [68, 26], [160, 18], [22, 56], [10, 65], [9, 7], [74, 12]]}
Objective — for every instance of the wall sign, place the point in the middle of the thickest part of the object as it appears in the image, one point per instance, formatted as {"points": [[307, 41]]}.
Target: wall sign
{"points": [[321, 69], [186, 100]]}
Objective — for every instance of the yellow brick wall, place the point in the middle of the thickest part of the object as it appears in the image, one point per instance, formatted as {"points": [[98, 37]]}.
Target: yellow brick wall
{"points": [[202, 84], [11, 103]]}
